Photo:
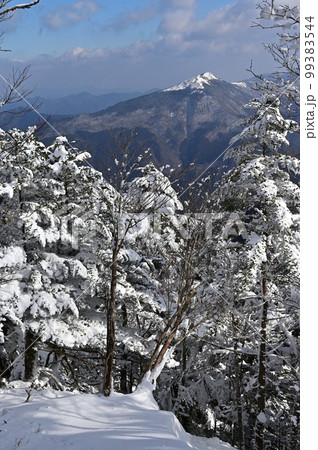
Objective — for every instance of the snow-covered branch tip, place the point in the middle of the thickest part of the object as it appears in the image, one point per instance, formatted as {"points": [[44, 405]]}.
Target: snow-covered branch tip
{"points": [[11, 9]]}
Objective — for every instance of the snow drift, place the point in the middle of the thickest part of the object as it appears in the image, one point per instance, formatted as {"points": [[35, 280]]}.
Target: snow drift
{"points": [[53, 419]]}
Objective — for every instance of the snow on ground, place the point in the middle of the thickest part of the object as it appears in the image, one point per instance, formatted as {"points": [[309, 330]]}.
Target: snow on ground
{"points": [[52, 419]]}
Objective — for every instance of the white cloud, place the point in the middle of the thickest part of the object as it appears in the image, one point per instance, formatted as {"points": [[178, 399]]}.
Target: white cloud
{"points": [[133, 17], [225, 23], [69, 15], [180, 26], [222, 42], [84, 54], [170, 11], [181, 4], [176, 21]]}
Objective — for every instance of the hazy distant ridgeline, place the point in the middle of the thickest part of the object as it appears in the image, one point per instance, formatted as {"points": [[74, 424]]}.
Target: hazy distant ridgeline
{"points": [[191, 122]]}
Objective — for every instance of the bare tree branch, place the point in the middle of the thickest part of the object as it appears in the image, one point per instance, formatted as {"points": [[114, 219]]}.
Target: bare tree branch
{"points": [[13, 92], [6, 12]]}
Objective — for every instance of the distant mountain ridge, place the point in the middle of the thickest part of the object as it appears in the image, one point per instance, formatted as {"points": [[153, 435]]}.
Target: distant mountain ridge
{"points": [[83, 102], [192, 121]]}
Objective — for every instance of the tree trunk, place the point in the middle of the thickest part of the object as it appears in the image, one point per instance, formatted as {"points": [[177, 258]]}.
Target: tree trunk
{"points": [[23, 225], [259, 426], [168, 334], [123, 370], [184, 361], [294, 432], [240, 442], [4, 362], [123, 376], [30, 355], [110, 310]]}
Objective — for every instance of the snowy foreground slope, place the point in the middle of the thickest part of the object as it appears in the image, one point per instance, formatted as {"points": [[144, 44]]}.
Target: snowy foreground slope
{"points": [[53, 419]]}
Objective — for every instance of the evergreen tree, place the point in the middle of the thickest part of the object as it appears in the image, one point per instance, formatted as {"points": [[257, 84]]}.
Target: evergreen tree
{"points": [[141, 307], [51, 201], [259, 202]]}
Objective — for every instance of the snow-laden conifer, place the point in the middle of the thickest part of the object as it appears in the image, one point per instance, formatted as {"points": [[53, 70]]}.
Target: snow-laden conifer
{"points": [[259, 238], [49, 205]]}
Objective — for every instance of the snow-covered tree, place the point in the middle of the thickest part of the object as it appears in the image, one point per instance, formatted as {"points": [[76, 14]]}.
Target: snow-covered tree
{"points": [[126, 161], [135, 302], [50, 201], [284, 82], [259, 237]]}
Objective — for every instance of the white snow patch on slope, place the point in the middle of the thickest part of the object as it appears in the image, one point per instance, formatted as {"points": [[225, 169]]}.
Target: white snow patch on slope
{"points": [[53, 419], [239, 83], [198, 82]]}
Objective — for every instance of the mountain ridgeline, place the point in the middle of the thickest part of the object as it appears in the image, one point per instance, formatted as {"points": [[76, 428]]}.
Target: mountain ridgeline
{"points": [[191, 122]]}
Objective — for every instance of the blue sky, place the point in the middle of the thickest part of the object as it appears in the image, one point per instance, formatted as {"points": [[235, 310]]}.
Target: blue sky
{"points": [[127, 45]]}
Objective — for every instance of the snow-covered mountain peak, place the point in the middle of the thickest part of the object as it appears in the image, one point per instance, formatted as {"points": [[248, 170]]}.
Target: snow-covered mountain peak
{"points": [[199, 82]]}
